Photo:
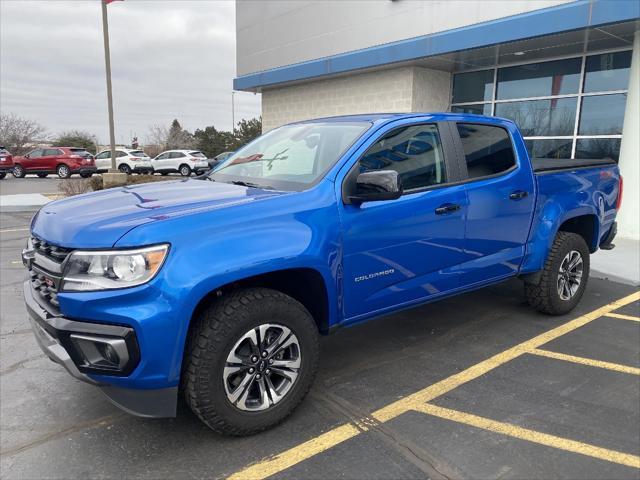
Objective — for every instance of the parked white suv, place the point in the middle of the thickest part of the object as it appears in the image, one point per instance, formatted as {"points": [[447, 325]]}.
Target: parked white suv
{"points": [[181, 161], [127, 161]]}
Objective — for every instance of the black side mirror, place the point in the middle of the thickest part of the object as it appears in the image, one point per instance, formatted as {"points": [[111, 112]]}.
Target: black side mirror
{"points": [[377, 185]]}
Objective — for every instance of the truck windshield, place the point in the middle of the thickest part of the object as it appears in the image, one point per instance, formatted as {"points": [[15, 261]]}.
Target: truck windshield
{"points": [[292, 157]]}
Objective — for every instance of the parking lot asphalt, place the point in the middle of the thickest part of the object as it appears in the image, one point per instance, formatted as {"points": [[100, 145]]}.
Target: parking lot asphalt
{"points": [[476, 386]]}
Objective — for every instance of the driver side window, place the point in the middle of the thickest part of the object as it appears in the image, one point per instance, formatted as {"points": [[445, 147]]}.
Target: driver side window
{"points": [[415, 152], [35, 153]]}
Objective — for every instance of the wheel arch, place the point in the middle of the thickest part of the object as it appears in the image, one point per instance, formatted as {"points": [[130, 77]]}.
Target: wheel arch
{"points": [[306, 285], [586, 225]]}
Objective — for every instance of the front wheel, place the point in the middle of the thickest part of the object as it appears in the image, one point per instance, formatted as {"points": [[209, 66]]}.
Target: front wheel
{"points": [[564, 278], [63, 171], [18, 171], [251, 359], [2, 175]]}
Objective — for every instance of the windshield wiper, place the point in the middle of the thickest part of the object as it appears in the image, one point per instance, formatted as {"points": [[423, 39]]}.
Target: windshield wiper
{"points": [[251, 185]]}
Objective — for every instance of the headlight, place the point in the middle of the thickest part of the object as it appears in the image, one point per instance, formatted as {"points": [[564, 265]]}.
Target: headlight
{"points": [[104, 270]]}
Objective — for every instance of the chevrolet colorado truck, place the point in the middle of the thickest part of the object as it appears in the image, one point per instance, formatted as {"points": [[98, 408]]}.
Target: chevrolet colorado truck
{"points": [[218, 287]]}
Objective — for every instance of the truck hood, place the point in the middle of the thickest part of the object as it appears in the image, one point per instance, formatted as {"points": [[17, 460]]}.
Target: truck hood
{"points": [[100, 219]]}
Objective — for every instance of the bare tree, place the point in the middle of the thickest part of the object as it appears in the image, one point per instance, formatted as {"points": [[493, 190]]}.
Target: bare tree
{"points": [[157, 135], [17, 133]]}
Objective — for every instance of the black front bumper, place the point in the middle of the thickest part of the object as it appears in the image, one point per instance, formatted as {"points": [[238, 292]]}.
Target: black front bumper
{"points": [[53, 334]]}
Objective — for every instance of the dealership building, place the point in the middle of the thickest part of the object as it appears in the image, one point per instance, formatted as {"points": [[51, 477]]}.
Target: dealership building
{"points": [[568, 72]]}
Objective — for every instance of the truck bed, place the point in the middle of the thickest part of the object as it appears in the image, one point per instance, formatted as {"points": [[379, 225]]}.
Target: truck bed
{"points": [[550, 164]]}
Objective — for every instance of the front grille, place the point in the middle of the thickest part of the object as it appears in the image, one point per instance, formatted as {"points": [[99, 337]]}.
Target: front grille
{"points": [[46, 272]]}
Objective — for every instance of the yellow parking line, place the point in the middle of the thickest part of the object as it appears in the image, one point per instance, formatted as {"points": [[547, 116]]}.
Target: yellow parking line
{"points": [[297, 454], [532, 435], [616, 367], [623, 317], [280, 462]]}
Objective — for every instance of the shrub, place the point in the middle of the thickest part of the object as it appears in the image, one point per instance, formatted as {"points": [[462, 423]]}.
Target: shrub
{"points": [[75, 186]]}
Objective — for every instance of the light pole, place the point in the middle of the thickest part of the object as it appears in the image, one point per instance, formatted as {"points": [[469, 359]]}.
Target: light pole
{"points": [[233, 111], [107, 62]]}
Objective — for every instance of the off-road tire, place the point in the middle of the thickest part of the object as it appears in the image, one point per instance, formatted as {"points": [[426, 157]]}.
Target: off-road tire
{"points": [[19, 171], [213, 335], [543, 295], [43, 175]]}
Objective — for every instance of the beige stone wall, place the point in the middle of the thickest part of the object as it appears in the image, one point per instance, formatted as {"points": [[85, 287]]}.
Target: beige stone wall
{"points": [[405, 89]]}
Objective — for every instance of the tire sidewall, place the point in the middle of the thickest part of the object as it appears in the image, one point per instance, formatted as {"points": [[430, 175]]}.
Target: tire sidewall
{"points": [[124, 168], [211, 381], [571, 242], [18, 171], [185, 170]]}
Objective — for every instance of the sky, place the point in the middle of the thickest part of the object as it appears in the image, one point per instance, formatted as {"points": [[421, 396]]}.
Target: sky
{"points": [[169, 59]]}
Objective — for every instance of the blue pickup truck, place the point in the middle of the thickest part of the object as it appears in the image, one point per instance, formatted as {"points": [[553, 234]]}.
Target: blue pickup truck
{"points": [[217, 288]]}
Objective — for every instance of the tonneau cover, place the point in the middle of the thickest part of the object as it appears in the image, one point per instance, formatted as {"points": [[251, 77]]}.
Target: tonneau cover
{"points": [[550, 164]]}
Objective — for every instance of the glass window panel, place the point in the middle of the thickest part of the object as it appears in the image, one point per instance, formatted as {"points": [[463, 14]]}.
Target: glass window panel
{"points": [[541, 118], [487, 149], [559, 77], [590, 148], [549, 148], [473, 86], [602, 114], [414, 152], [609, 71], [480, 109]]}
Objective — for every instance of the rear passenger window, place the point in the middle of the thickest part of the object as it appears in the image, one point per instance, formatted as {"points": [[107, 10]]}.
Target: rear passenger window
{"points": [[176, 155], [487, 149], [414, 152]]}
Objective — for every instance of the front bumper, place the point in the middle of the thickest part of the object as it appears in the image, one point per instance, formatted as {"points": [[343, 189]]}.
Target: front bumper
{"points": [[53, 335]]}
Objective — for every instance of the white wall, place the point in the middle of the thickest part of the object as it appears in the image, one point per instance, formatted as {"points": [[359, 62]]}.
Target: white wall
{"points": [[629, 215], [405, 89], [274, 33]]}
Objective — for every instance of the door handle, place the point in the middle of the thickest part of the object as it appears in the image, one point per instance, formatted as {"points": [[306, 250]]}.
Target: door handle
{"points": [[447, 208], [518, 195]]}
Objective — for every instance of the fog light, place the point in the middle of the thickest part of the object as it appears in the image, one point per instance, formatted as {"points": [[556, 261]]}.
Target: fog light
{"points": [[101, 352]]}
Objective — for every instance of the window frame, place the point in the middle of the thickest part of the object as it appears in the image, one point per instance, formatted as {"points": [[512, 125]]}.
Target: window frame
{"points": [[575, 136], [449, 153], [462, 158]]}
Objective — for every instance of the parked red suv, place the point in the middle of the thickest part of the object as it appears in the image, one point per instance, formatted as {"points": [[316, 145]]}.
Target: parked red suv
{"points": [[65, 161], [6, 162]]}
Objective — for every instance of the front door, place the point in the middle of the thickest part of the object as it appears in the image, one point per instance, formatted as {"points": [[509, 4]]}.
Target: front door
{"points": [[404, 251]]}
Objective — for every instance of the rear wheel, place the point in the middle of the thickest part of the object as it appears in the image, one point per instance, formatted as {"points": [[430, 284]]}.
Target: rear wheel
{"points": [[251, 359], [63, 171], [2, 175], [43, 175], [124, 168], [185, 170], [18, 171], [564, 278]]}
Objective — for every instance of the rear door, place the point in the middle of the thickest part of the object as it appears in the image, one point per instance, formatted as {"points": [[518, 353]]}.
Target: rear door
{"points": [[406, 250], [49, 160], [500, 190]]}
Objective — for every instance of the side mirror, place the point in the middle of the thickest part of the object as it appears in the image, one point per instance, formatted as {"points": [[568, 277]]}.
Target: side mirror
{"points": [[377, 185], [27, 156]]}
